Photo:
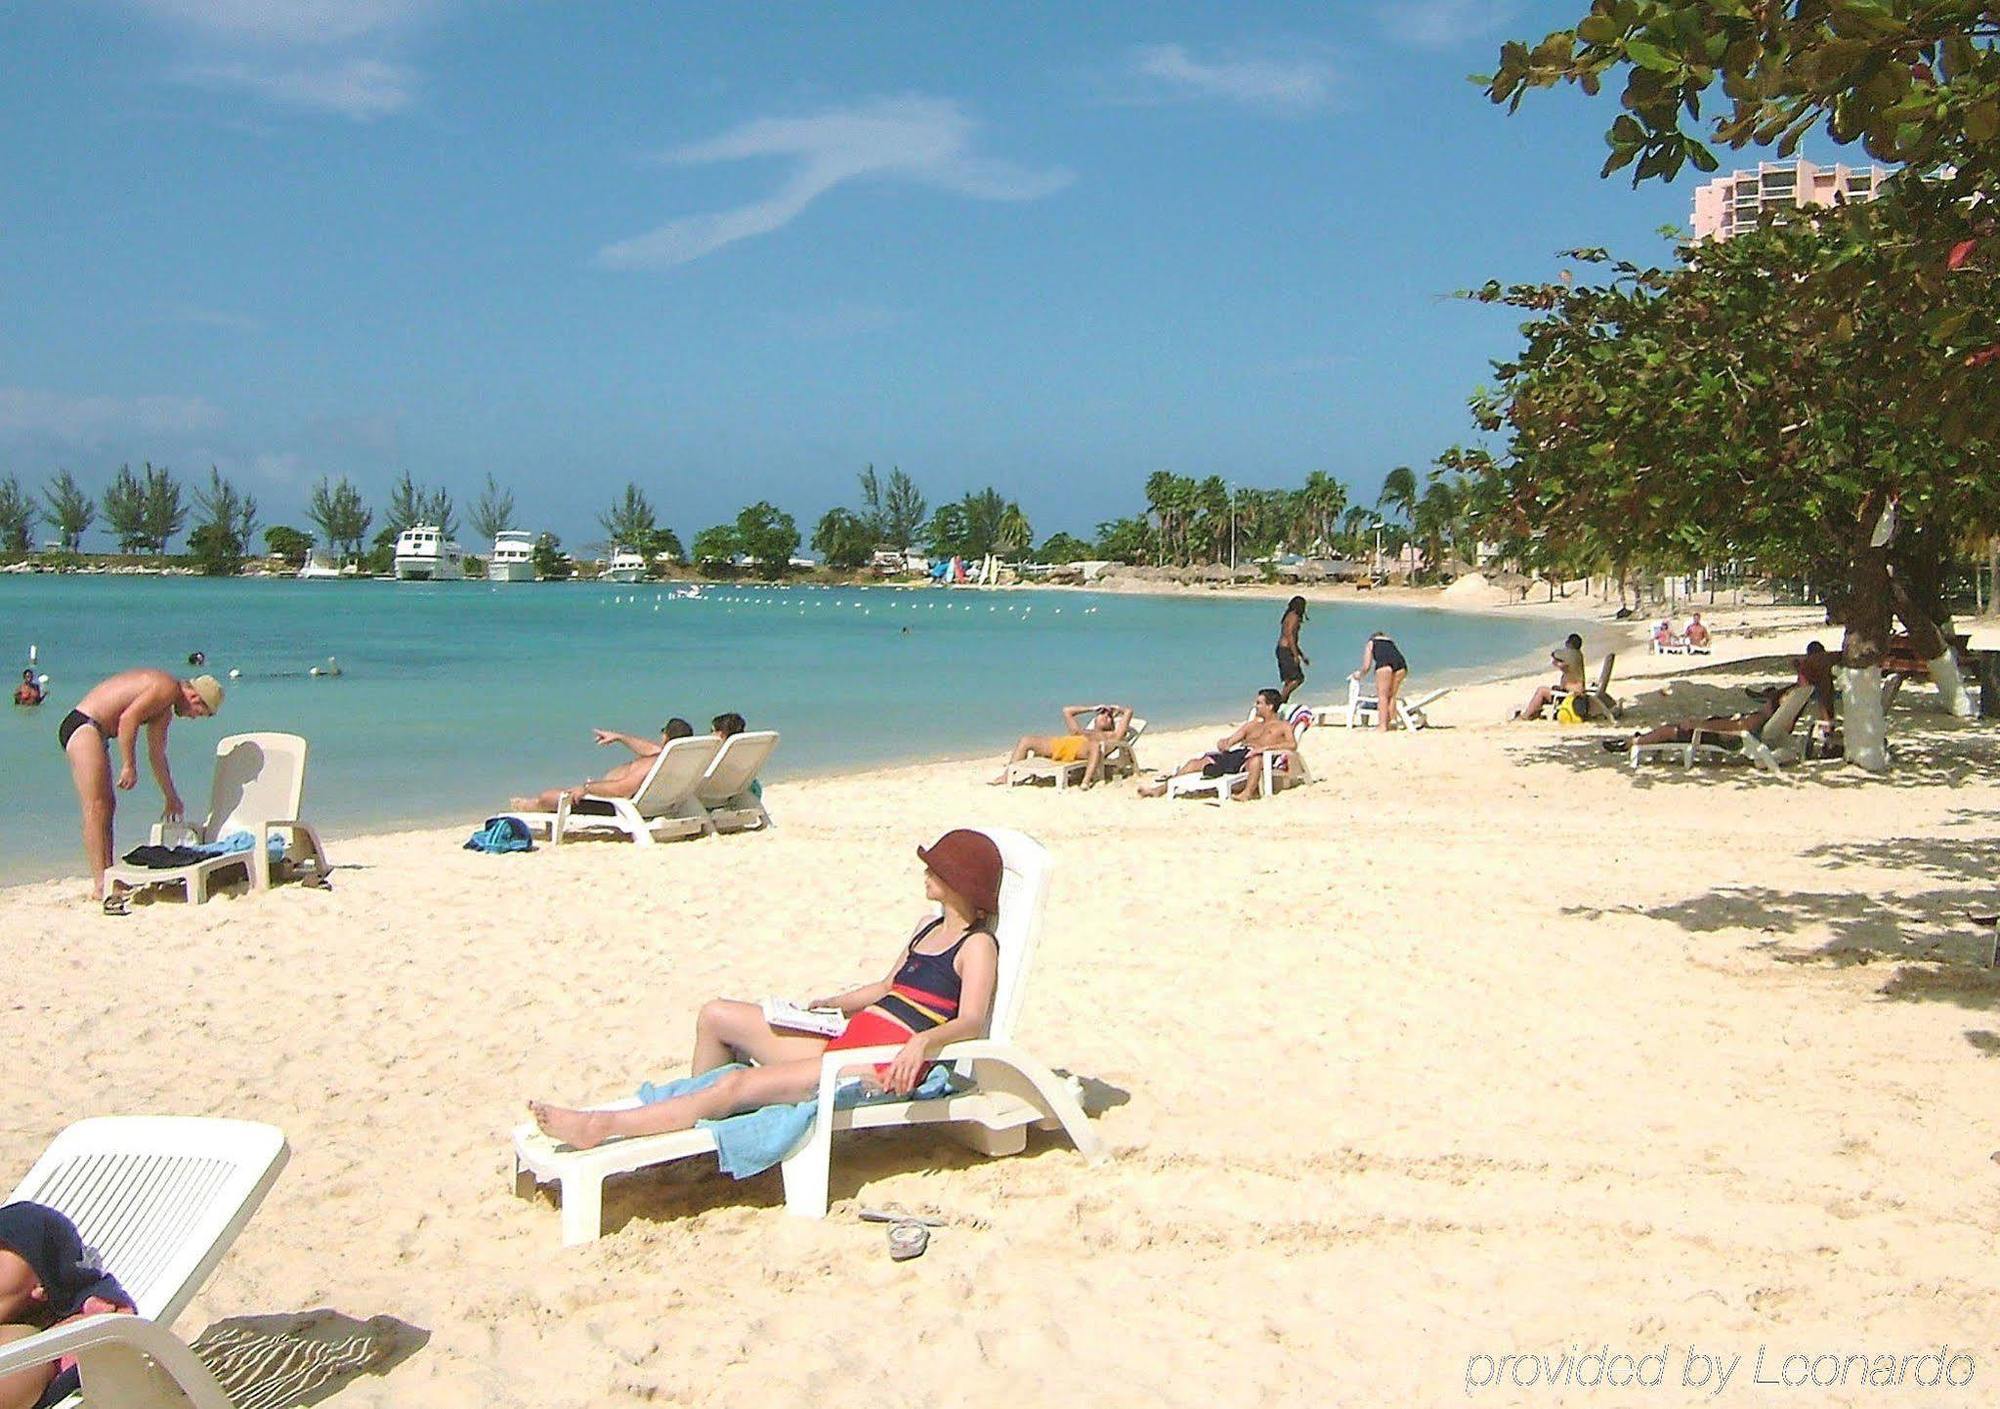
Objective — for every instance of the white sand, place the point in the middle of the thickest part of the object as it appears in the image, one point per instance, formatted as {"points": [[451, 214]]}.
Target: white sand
{"points": [[1480, 1045]]}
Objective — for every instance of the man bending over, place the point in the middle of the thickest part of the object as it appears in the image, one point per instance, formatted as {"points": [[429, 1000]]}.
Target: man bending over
{"points": [[622, 781], [118, 709]]}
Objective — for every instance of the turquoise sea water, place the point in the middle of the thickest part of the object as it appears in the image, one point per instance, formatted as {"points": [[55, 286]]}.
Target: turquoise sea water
{"points": [[455, 695]]}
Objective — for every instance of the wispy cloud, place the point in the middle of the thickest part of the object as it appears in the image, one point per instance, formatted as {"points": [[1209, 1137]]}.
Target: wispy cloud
{"points": [[26, 412], [1440, 24], [327, 56], [362, 89], [1282, 85], [923, 141]]}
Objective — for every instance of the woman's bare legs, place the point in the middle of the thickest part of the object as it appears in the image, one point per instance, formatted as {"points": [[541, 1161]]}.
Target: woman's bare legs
{"points": [[1037, 745], [1387, 683], [729, 1030]]}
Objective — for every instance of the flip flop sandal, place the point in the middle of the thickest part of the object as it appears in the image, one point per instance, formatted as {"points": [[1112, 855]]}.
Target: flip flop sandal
{"points": [[118, 903], [316, 882], [908, 1240]]}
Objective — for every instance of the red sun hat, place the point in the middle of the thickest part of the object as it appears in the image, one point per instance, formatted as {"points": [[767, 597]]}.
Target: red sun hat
{"points": [[970, 864]]}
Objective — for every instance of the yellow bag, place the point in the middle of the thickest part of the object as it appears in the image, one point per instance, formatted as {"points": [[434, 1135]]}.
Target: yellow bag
{"points": [[1574, 709]]}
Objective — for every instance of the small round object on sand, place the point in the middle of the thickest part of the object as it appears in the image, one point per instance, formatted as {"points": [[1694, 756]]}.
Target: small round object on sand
{"points": [[908, 1240]]}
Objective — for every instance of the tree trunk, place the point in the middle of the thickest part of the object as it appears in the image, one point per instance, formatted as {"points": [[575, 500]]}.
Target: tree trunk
{"points": [[1928, 640], [1866, 609]]}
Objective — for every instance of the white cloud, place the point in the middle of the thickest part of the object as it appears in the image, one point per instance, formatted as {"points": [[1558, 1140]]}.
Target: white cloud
{"points": [[1439, 24], [87, 420], [362, 89], [1296, 85], [925, 141], [287, 23]]}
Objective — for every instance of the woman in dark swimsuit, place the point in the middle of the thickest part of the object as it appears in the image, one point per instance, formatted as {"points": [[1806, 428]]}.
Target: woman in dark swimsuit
{"points": [[940, 991], [1383, 659]]}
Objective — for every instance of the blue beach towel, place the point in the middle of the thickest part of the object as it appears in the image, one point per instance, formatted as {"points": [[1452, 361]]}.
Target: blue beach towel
{"points": [[501, 834], [753, 1141], [233, 842]]}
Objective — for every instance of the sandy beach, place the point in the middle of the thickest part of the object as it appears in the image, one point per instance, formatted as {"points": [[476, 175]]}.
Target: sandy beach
{"points": [[1479, 1046]]}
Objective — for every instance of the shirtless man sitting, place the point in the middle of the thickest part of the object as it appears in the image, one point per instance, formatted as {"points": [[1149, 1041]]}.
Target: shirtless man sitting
{"points": [[622, 781], [117, 709], [1696, 634], [1241, 750], [1683, 731], [29, 691], [1089, 731]]}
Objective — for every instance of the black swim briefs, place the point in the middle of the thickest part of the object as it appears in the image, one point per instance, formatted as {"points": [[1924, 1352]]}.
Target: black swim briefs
{"points": [[1288, 664], [74, 721], [1225, 763]]}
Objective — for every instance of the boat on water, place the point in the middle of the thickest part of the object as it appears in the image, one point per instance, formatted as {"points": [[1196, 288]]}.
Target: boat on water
{"points": [[513, 557], [625, 566], [424, 554], [318, 567]]}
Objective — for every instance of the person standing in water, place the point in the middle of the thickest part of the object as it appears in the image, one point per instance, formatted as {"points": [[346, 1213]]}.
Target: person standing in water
{"points": [[1291, 659], [117, 709]]}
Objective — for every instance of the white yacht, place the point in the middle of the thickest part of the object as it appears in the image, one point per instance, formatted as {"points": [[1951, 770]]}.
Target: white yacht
{"points": [[424, 554], [625, 566], [318, 567], [513, 557]]}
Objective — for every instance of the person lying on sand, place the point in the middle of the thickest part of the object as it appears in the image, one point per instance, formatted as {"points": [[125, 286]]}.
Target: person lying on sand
{"points": [[47, 1278], [1568, 661], [1088, 731], [1240, 750], [940, 991], [622, 781], [1683, 731]]}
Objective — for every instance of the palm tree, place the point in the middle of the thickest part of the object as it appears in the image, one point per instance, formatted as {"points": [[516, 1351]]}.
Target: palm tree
{"points": [[1399, 492], [1016, 533], [1320, 503], [1355, 526]]}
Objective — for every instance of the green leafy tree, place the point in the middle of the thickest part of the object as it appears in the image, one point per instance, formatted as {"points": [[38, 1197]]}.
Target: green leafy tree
{"points": [[871, 513], [903, 509], [494, 510], [1399, 493], [1129, 540], [551, 562], [1320, 505], [165, 512], [342, 519], [229, 518], [1063, 548], [1016, 533], [69, 509], [289, 544], [716, 546], [768, 534], [1719, 409], [18, 516], [125, 509], [842, 538], [411, 504], [945, 534], [629, 522]]}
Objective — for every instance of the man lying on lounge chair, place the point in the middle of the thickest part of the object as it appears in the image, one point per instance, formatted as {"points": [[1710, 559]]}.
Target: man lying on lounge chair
{"points": [[1088, 731], [1241, 750], [622, 781], [1683, 731]]}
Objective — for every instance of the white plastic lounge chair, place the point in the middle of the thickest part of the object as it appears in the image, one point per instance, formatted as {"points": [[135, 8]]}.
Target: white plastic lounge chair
{"points": [[1362, 709], [1762, 748], [260, 785], [1118, 759], [1282, 768], [663, 809], [1011, 1090], [725, 795], [1598, 694], [160, 1199]]}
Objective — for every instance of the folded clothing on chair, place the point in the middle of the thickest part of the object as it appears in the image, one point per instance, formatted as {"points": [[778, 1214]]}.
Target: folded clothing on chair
{"points": [[166, 858]]}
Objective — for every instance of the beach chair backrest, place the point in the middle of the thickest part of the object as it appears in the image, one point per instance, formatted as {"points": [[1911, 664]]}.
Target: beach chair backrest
{"points": [[742, 757], [1133, 730], [1024, 895], [1604, 673], [259, 778], [677, 771], [1785, 718], [158, 1198]]}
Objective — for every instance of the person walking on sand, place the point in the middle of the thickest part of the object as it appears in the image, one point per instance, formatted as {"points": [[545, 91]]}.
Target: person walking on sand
{"points": [[622, 781], [1088, 731], [1291, 659], [1383, 659], [118, 708]]}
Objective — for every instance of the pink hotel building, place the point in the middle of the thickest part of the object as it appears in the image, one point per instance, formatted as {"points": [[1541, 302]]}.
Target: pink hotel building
{"points": [[1732, 203]]}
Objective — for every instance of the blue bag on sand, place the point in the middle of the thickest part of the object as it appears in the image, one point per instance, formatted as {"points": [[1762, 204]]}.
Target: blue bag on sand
{"points": [[501, 834]]}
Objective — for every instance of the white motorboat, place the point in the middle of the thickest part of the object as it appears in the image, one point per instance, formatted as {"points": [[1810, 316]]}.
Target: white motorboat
{"points": [[424, 554], [513, 557], [625, 566], [318, 567]]}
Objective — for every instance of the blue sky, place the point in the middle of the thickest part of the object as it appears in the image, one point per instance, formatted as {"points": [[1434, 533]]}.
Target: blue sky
{"points": [[738, 252]]}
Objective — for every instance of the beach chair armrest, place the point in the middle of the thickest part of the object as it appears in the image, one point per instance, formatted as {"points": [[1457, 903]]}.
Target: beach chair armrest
{"points": [[113, 1352]]}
